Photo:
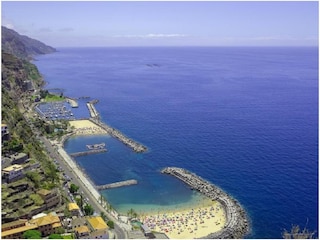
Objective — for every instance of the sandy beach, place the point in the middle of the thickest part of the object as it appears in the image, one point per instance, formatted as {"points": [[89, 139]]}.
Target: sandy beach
{"points": [[86, 127], [195, 222]]}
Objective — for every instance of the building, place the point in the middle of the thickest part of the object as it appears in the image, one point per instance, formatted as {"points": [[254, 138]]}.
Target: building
{"points": [[12, 225], [82, 232], [17, 233], [27, 85], [47, 225], [50, 198], [19, 158], [5, 136], [12, 173], [74, 209], [99, 228]]}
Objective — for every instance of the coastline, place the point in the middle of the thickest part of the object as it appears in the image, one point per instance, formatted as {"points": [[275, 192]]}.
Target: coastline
{"points": [[222, 218], [237, 223]]}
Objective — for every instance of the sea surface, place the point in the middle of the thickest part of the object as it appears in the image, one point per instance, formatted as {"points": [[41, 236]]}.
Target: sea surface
{"points": [[244, 118]]}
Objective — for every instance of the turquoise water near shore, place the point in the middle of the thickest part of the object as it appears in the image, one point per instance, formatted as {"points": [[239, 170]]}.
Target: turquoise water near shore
{"points": [[245, 119]]}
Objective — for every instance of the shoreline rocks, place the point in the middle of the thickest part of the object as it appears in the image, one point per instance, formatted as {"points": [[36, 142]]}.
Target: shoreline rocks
{"points": [[237, 223]]}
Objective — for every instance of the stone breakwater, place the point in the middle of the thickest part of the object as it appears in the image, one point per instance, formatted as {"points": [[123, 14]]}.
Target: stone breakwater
{"points": [[237, 224], [137, 147]]}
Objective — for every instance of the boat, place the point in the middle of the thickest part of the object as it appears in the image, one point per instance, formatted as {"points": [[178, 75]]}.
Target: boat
{"points": [[96, 146]]}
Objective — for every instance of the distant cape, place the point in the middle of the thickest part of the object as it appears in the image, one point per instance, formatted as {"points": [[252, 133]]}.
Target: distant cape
{"points": [[22, 46]]}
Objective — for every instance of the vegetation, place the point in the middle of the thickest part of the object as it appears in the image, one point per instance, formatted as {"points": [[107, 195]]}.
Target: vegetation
{"points": [[36, 199], [132, 213], [35, 178], [32, 234], [73, 188], [110, 224], [55, 236], [103, 216], [88, 210], [48, 97]]}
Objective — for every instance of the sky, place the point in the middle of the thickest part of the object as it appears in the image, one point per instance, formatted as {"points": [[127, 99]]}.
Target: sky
{"points": [[165, 23]]}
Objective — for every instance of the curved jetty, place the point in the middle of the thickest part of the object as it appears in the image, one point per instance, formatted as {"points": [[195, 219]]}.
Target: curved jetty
{"points": [[237, 224]]}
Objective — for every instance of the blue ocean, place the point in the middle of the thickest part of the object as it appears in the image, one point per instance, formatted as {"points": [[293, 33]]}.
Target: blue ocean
{"points": [[244, 118]]}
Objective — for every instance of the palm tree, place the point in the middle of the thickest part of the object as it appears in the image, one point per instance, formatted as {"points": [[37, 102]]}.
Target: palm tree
{"points": [[132, 213]]}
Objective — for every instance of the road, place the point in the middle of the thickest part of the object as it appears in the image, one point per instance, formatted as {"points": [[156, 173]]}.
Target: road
{"points": [[64, 167]]}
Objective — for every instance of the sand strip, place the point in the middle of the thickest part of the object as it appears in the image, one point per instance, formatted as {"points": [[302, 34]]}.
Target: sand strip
{"points": [[86, 127], [195, 222]]}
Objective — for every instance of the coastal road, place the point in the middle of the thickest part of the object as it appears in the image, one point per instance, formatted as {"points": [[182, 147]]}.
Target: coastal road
{"points": [[64, 167]]}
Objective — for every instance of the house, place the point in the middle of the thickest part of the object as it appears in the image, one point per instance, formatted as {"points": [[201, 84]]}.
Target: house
{"points": [[82, 232], [99, 229], [12, 225], [50, 198], [47, 225], [19, 158], [12, 173], [77, 222], [74, 209], [5, 136], [27, 85], [17, 233]]}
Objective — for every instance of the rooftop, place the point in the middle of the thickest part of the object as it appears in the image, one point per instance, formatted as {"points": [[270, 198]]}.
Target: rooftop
{"points": [[73, 206], [97, 223], [15, 167]]}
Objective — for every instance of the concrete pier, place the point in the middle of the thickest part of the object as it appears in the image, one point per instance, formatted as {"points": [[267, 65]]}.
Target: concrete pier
{"points": [[84, 153], [72, 102], [237, 224], [117, 184], [93, 112], [137, 147]]}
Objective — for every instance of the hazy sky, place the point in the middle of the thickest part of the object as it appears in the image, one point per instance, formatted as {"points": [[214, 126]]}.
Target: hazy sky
{"points": [[165, 23]]}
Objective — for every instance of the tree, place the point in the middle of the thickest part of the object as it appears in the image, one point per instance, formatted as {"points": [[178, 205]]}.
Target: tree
{"points": [[88, 210], [297, 233], [73, 188], [32, 234], [34, 177], [51, 172], [103, 216], [110, 224], [132, 213], [55, 236]]}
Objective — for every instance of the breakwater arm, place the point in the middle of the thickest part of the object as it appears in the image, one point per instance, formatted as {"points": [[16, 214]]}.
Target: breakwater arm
{"points": [[137, 147], [93, 112], [73, 102], [85, 153], [117, 184], [237, 224]]}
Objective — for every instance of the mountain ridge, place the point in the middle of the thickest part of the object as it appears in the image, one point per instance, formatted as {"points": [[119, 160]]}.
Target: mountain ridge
{"points": [[22, 46]]}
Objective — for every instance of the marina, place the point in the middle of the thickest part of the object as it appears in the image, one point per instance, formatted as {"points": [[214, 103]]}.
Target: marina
{"points": [[55, 111]]}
